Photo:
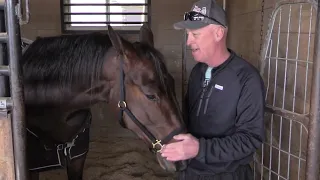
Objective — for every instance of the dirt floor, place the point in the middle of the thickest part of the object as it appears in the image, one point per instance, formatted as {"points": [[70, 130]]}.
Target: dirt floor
{"points": [[115, 154]]}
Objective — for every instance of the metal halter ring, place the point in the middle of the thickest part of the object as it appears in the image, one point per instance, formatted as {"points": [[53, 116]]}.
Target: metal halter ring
{"points": [[158, 142], [123, 103]]}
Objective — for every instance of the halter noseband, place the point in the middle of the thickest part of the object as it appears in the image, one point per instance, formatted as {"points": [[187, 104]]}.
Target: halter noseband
{"points": [[123, 107]]}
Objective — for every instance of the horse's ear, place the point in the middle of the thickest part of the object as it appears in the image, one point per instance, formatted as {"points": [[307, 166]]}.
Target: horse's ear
{"points": [[121, 45], [146, 35], [115, 40]]}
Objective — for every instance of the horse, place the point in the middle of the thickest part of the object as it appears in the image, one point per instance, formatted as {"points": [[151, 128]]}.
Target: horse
{"points": [[64, 76]]}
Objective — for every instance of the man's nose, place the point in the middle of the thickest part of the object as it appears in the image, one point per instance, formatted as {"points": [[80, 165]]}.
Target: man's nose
{"points": [[189, 39]]}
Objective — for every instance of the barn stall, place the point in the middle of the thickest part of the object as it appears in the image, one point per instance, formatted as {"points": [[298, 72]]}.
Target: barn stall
{"points": [[278, 37]]}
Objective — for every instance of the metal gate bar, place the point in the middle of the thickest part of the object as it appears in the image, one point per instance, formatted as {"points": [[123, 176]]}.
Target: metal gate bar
{"points": [[312, 172], [3, 60], [288, 60], [15, 104]]}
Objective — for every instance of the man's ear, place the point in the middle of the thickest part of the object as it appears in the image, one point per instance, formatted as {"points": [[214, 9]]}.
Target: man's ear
{"points": [[218, 32]]}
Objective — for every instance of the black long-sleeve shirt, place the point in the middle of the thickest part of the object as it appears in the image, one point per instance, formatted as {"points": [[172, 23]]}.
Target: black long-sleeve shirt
{"points": [[226, 115]]}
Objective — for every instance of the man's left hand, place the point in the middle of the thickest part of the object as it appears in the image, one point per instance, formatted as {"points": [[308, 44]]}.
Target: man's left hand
{"points": [[187, 147]]}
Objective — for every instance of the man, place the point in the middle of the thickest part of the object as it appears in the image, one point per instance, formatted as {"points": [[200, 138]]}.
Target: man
{"points": [[224, 103]]}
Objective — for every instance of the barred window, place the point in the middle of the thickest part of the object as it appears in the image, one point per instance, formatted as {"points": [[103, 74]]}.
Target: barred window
{"points": [[93, 15]]}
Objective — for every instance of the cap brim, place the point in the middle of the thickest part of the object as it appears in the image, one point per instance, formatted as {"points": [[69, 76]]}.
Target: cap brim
{"points": [[189, 25]]}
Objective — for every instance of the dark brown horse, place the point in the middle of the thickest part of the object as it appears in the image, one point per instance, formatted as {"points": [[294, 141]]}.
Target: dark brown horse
{"points": [[65, 75]]}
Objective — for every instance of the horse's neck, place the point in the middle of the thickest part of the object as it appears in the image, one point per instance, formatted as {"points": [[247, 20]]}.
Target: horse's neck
{"points": [[67, 97]]}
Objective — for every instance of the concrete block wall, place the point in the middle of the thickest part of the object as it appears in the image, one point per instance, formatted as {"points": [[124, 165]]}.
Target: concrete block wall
{"points": [[168, 40], [244, 28], [44, 19]]}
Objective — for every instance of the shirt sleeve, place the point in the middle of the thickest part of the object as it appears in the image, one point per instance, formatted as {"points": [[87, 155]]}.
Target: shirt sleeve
{"points": [[249, 133]]}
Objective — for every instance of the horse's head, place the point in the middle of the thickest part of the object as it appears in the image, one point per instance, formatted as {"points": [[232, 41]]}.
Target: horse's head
{"points": [[147, 95]]}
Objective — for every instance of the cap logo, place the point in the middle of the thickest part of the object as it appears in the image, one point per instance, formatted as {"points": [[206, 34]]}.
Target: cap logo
{"points": [[202, 10]]}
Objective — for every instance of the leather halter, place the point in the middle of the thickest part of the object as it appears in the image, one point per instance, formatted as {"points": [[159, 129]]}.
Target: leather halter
{"points": [[156, 143]]}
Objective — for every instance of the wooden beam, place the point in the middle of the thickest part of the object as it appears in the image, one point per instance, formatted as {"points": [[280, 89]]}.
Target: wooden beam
{"points": [[6, 148]]}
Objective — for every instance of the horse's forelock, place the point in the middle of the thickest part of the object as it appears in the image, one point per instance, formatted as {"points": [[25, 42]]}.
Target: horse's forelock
{"points": [[146, 51]]}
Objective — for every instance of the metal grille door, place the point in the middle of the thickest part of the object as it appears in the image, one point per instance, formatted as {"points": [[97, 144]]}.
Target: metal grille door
{"points": [[287, 66], [13, 159]]}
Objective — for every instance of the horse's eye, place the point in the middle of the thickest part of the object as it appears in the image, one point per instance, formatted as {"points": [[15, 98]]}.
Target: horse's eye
{"points": [[152, 97]]}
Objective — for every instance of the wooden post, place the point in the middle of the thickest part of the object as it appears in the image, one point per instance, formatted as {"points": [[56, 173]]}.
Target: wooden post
{"points": [[6, 149]]}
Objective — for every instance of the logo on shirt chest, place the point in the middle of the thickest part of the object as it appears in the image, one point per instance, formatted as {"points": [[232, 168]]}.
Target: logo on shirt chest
{"points": [[217, 86]]}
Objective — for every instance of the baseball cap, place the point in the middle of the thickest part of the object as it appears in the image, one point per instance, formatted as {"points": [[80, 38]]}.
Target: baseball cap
{"points": [[203, 13]]}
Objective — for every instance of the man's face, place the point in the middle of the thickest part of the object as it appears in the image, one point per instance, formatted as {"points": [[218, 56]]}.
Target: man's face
{"points": [[202, 43]]}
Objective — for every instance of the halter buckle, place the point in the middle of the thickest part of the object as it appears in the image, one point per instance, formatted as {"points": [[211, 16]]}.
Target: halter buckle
{"points": [[158, 142], [122, 104]]}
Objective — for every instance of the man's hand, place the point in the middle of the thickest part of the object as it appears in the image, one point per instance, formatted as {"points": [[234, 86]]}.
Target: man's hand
{"points": [[187, 147]]}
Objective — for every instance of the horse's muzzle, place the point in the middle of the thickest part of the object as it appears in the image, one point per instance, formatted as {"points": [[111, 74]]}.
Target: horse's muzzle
{"points": [[171, 166]]}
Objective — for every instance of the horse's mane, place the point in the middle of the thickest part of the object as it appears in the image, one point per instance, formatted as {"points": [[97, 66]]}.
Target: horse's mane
{"points": [[157, 59], [65, 59]]}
